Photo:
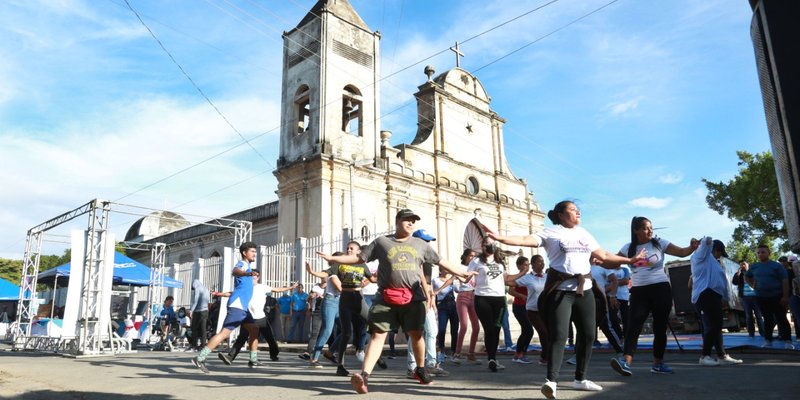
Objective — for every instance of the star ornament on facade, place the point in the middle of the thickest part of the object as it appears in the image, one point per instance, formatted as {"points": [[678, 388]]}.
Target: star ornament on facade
{"points": [[469, 127]]}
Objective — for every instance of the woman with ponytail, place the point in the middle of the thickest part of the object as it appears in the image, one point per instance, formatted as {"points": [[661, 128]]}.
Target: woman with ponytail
{"points": [[570, 249], [651, 293]]}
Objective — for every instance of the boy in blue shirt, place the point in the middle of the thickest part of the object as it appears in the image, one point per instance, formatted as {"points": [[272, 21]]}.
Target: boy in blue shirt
{"points": [[285, 310], [237, 308], [299, 308]]}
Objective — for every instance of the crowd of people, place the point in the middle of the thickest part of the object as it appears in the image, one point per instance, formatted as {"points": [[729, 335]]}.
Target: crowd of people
{"points": [[584, 286]]}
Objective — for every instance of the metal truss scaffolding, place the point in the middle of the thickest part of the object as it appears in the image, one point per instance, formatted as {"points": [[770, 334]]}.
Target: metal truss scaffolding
{"points": [[30, 269], [93, 327], [90, 337]]}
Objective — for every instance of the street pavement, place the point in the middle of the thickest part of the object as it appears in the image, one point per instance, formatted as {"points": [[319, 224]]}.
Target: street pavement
{"points": [[165, 375]]}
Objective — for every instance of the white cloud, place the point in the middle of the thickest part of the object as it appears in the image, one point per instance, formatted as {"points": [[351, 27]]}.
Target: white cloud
{"points": [[651, 202], [671, 178], [127, 146], [621, 108]]}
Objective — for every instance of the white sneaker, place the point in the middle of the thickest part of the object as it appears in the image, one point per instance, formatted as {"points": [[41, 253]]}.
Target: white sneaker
{"points": [[728, 360], [549, 389], [707, 361], [360, 355], [572, 360], [457, 359], [586, 385]]}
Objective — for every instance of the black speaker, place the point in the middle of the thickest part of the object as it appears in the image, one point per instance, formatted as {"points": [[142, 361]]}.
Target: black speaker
{"points": [[775, 30]]}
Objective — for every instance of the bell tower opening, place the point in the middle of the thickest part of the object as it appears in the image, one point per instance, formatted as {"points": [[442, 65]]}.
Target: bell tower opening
{"points": [[302, 109], [352, 111]]}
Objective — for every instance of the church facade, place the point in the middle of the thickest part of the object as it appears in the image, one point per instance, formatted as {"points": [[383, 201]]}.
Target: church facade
{"points": [[338, 168]]}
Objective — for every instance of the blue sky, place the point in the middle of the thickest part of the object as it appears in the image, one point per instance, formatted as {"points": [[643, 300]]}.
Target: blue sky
{"points": [[625, 111]]}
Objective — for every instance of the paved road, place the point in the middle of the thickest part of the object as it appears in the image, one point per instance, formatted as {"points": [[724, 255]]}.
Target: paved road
{"points": [[162, 375]]}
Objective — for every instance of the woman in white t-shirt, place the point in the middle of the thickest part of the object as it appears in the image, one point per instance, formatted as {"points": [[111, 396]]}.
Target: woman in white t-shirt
{"points": [[490, 297], [534, 282], [569, 248], [651, 293]]}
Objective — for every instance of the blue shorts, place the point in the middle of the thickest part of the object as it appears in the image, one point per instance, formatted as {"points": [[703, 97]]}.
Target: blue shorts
{"points": [[236, 317]]}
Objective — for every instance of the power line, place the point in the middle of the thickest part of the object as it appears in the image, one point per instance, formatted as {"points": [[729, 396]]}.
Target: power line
{"points": [[199, 90], [383, 78], [584, 16], [307, 58]]}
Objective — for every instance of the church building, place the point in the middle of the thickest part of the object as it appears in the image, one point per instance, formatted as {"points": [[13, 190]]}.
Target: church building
{"points": [[338, 168]]}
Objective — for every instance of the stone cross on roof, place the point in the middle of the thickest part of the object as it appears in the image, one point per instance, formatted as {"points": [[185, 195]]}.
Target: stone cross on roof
{"points": [[459, 54]]}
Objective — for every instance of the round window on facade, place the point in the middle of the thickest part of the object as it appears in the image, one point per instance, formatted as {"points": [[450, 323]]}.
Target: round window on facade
{"points": [[472, 186]]}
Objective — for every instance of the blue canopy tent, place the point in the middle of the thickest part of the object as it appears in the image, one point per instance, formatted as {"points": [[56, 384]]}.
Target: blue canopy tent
{"points": [[127, 271], [8, 290]]}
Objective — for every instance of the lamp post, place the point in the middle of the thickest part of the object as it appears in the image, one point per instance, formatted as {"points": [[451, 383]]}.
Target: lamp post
{"points": [[355, 163]]}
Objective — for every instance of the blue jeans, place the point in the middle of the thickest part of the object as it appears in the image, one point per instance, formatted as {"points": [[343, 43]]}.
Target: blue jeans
{"points": [[447, 313], [330, 312], [298, 322], [509, 341], [429, 333], [750, 305]]}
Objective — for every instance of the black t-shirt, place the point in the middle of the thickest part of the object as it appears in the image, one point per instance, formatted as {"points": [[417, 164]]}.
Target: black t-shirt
{"points": [[351, 276]]}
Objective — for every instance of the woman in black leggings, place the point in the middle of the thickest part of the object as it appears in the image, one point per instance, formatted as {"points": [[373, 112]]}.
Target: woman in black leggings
{"points": [[568, 290], [651, 293], [490, 297], [352, 308]]}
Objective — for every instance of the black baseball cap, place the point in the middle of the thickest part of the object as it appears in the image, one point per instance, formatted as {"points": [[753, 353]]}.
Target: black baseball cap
{"points": [[719, 246], [406, 213]]}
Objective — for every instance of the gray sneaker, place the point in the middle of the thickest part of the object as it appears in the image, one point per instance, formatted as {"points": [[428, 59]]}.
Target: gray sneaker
{"points": [[437, 371], [200, 364], [410, 374]]}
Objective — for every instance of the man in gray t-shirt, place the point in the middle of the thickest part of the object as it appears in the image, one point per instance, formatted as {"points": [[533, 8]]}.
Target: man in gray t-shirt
{"points": [[402, 291], [399, 262]]}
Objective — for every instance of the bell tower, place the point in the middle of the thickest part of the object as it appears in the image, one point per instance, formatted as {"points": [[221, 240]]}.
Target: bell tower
{"points": [[329, 110], [330, 89]]}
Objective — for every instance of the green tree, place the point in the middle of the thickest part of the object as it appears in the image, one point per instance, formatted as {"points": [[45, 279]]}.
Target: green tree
{"points": [[752, 198], [738, 251], [11, 270]]}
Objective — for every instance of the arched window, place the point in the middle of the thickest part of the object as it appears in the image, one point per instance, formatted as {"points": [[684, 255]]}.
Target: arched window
{"points": [[364, 233], [472, 185], [352, 111], [302, 109]]}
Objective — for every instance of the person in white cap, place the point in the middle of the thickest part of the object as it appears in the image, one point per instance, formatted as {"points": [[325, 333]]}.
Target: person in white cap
{"points": [[431, 328]]}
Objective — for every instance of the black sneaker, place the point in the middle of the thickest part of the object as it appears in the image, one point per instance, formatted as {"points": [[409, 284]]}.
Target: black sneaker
{"points": [[274, 358], [200, 364], [392, 355], [305, 356], [493, 365], [422, 376], [341, 371], [327, 354], [254, 364], [382, 364], [226, 358]]}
